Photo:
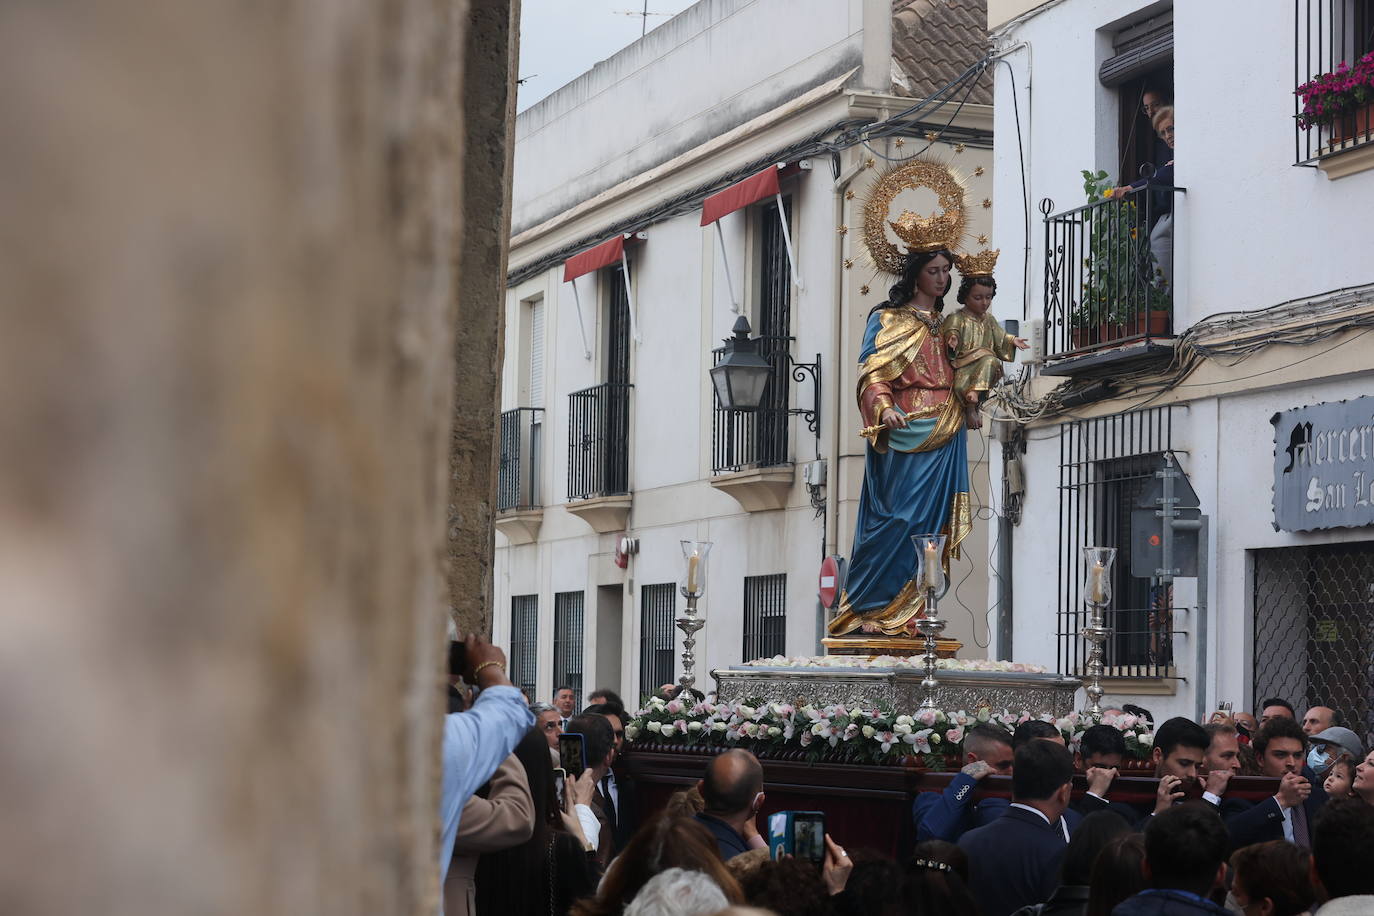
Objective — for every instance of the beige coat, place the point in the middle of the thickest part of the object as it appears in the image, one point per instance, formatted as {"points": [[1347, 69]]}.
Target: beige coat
{"points": [[502, 820]]}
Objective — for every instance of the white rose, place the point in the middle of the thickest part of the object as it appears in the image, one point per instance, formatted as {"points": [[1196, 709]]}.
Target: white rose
{"points": [[817, 728], [746, 712], [694, 726], [774, 731], [902, 728], [905, 720], [655, 727], [1146, 738], [869, 731], [631, 732], [751, 729], [718, 727]]}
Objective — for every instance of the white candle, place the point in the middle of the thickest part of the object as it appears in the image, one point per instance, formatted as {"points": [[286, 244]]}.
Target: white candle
{"points": [[932, 563], [692, 563], [1097, 583]]}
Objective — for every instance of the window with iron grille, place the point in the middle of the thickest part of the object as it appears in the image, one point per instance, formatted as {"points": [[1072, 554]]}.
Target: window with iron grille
{"points": [[1104, 465], [524, 642], [657, 644], [1329, 35], [765, 616], [758, 438], [567, 643], [1314, 629], [599, 416]]}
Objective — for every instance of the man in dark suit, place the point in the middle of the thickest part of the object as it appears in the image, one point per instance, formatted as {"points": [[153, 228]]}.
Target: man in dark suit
{"points": [[1100, 752], [616, 794], [599, 742], [733, 791], [950, 814], [1281, 747], [1014, 861]]}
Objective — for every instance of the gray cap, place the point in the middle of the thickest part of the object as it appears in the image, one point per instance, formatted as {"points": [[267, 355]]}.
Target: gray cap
{"points": [[1343, 738]]}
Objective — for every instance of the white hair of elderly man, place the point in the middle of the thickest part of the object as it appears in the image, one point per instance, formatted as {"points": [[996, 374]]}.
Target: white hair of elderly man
{"points": [[678, 892]]}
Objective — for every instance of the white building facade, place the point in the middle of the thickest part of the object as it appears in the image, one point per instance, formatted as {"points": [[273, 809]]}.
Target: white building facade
{"points": [[614, 446], [1268, 312]]}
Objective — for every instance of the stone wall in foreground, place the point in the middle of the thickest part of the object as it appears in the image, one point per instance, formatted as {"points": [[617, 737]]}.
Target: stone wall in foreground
{"points": [[232, 240]]}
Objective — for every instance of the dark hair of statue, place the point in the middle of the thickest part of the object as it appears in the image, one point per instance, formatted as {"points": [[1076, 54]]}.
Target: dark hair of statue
{"points": [[967, 284], [901, 292]]}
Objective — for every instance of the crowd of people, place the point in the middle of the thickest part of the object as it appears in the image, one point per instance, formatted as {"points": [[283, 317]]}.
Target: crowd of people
{"points": [[524, 833]]}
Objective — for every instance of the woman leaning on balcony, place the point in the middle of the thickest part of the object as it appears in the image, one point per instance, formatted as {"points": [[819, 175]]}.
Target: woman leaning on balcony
{"points": [[1162, 233]]}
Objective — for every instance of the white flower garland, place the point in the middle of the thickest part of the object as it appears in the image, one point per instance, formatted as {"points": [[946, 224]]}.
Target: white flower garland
{"points": [[837, 732]]}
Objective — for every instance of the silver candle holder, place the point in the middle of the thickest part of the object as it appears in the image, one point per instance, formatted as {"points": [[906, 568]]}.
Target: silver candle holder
{"points": [[694, 555], [930, 582], [1097, 593]]}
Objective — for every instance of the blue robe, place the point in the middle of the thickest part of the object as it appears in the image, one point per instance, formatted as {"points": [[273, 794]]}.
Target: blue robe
{"points": [[915, 479]]}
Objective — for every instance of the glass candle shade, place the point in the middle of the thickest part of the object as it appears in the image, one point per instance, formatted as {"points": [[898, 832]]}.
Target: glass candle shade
{"points": [[930, 570], [1097, 581], [694, 555]]}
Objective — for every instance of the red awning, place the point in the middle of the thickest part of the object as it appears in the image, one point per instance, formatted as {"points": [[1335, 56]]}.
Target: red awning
{"points": [[603, 255], [739, 195]]}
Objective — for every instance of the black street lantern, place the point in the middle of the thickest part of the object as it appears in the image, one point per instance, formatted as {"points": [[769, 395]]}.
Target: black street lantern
{"points": [[742, 374]]}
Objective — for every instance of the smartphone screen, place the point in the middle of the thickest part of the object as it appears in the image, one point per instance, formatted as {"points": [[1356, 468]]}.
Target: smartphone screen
{"points": [[808, 833], [572, 753]]}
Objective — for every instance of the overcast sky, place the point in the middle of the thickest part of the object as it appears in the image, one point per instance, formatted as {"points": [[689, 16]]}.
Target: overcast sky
{"points": [[562, 39]]}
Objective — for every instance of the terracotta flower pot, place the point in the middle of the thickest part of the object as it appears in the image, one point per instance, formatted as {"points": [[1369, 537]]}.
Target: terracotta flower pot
{"points": [[1353, 126]]}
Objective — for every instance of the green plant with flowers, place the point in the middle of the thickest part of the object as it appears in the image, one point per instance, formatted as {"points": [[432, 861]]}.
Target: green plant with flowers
{"points": [[841, 734], [1336, 94]]}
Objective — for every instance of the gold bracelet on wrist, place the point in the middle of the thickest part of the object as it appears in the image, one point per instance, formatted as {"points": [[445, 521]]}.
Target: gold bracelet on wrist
{"points": [[478, 670]]}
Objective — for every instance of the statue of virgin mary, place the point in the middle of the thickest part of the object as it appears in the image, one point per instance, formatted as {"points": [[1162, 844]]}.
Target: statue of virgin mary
{"points": [[916, 461]]}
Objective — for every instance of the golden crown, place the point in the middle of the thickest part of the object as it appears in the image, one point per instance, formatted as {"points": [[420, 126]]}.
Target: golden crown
{"points": [[930, 233], [981, 264]]}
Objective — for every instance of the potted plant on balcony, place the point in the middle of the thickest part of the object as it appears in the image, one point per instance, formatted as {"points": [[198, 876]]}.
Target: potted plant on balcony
{"points": [[1118, 253], [1342, 100]]}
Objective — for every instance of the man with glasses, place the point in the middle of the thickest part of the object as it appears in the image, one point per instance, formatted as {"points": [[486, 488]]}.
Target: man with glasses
{"points": [[550, 724], [949, 814]]}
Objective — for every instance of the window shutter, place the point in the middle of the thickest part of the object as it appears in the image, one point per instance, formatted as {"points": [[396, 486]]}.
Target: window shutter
{"points": [[536, 354], [1139, 50]]}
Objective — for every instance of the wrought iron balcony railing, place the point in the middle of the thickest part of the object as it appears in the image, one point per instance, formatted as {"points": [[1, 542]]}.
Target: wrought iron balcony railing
{"points": [[598, 441], [517, 476], [1108, 271]]}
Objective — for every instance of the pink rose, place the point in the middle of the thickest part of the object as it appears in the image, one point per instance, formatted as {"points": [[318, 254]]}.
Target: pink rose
{"points": [[927, 717], [955, 735]]}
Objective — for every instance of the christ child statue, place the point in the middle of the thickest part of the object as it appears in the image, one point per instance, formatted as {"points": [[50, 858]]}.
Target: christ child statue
{"points": [[977, 343]]}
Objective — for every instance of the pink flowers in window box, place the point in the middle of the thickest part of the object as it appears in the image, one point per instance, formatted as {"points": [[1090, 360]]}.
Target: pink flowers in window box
{"points": [[1337, 95]]}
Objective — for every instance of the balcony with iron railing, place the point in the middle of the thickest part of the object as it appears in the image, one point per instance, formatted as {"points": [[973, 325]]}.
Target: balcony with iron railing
{"points": [[1333, 53], [1108, 281], [599, 455], [519, 503]]}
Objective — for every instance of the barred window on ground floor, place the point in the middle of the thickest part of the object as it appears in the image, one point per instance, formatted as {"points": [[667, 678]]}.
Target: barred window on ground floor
{"points": [[524, 643], [1314, 629], [765, 616], [1104, 466], [657, 643], [567, 643]]}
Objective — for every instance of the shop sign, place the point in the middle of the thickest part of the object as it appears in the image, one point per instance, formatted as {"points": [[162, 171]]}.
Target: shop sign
{"points": [[1324, 466]]}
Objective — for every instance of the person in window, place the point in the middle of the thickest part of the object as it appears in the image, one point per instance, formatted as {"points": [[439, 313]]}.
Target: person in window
{"points": [[1159, 202]]}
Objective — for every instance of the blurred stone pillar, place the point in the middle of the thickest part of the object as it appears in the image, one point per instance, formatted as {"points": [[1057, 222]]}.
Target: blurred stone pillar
{"points": [[232, 255], [489, 127]]}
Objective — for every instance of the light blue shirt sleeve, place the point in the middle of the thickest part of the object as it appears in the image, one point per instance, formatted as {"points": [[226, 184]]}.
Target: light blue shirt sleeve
{"points": [[475, 743]]}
